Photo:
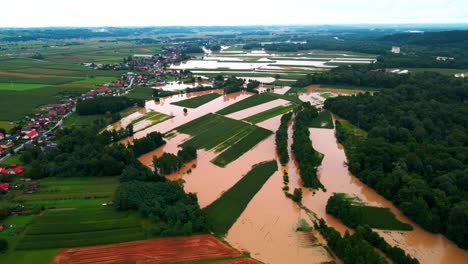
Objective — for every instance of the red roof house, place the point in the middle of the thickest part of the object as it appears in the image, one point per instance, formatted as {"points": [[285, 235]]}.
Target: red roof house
{"points": [[4, 186], [31, 135], [18, 169], [2, 136]]}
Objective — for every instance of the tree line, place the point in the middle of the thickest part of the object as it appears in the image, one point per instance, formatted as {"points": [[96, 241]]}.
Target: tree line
{"points": [[281, 139], [416, 151], [307, 157], [104, 104]]}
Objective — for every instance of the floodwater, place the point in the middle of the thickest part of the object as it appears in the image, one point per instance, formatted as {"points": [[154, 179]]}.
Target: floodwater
{"points": [[165, 106], [266, 228]]}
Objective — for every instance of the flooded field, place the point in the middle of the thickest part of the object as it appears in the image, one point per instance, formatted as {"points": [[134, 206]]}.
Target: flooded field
{"points": [[267, 227]]}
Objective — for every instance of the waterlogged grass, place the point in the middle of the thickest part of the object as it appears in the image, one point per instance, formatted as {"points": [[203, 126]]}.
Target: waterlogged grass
{"points": [[257, 100], [323, 120], [223, 212], [153, 116], [195, 102], [270, 113], [81, 227], [220, 133]]}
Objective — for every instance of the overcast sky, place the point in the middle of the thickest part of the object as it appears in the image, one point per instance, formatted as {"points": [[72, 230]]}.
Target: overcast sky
{"points": [[41, 13]]}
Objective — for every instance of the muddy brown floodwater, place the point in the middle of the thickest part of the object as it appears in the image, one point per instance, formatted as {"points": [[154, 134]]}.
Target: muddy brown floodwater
{"points": [[266, 228]]}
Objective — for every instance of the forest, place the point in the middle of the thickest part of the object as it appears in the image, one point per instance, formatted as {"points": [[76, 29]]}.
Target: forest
{"points": [[416, 151]]}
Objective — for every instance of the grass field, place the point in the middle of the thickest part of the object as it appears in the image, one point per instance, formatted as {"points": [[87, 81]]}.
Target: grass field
{"points": [[349, 87], [323, 120], [351, 129], [195, 102], [15, 159], [16, 104], [90, 120], [256, 100], [378, 217], [20, 86], [223, 212], [81, 227], [220, 133], [265, 115], [7, 125], [240, 147]]}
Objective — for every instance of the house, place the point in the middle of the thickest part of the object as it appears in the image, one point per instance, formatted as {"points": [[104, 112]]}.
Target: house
{"points": [[18, 170], [440, 58], [31, 135], [459, 75], [4, 186], [395, 49], [11, 169], [2, 136]]}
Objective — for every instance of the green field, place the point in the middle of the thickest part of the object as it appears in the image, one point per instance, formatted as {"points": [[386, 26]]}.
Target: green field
{"points": [[20, 86], [15, 159], [195, 102], [240, 147], [323, 120], [223, 212], [349, 87], [217, 132], [378, 217], [7, 125], [81, 227], [265, 115], [256, 100], [16, 104]]}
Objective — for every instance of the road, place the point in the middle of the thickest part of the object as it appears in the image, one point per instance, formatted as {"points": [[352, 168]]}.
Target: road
{"points": [[59, 123]]}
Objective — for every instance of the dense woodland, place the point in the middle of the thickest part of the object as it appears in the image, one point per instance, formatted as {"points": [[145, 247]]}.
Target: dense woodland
{"points": [[307, 157], [416, 152], [169, 163]]}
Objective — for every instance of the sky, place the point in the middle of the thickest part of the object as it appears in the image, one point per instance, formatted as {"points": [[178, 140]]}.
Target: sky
{"points": [[97, 13]]}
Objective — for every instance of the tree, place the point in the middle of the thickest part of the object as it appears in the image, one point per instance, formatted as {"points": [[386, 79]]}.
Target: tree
{"points": [[3, 244]]}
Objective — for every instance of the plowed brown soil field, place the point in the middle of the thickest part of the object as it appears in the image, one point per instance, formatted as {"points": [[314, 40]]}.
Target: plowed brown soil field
{"points": [[149, 251], [236, 261]]}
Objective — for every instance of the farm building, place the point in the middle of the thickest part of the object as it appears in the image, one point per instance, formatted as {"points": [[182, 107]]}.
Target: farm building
{"points": [[395, 49]]}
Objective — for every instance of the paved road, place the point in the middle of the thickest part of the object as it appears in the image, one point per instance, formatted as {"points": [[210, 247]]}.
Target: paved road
{"points": [[59, 124]]}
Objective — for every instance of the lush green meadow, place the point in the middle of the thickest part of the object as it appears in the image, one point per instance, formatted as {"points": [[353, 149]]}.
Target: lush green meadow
{"points": [[197, 101], [20, 86], [217, 132], [270, 113], [81, 227], [223, 212]]}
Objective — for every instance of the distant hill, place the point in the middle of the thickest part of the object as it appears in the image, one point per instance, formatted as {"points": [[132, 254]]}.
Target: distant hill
{"points": [[443, 38]]}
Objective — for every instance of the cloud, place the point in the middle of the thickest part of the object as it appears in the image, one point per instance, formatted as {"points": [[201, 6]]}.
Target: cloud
{"points": [[40, 13]]}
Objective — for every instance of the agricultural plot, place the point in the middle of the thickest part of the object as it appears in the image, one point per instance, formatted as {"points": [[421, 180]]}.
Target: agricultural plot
{"points": [[81, 227], [378, 217], [257, 100], [195, 102], [223, 212], [150, 119], [185, 249], [220, 133], [270, 113], [20, 86]]}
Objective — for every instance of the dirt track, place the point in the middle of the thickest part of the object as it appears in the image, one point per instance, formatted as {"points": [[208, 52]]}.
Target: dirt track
{"points": [[151, 251]]}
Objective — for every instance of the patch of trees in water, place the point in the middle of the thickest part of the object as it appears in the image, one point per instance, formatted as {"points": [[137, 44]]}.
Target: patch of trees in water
{"points": [[281, 139], [307, 157], [416, 151], [169, 163]]}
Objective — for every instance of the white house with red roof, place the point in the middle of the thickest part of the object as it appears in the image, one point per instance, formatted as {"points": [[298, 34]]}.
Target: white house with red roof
{"points": [[2, 136], [31, 135]]}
